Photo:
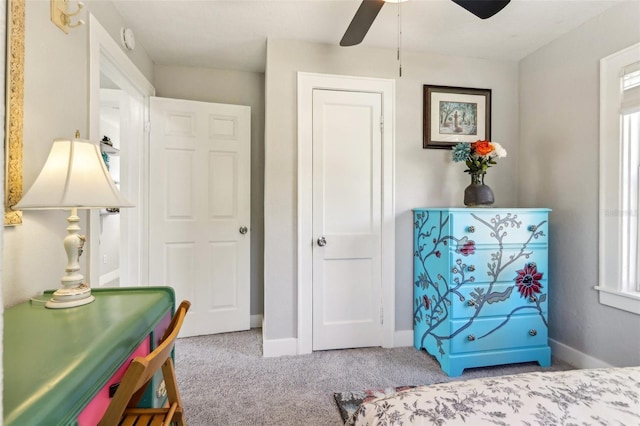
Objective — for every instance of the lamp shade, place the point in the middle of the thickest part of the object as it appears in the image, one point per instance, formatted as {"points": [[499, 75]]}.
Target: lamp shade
{"points": [[74, 176]]}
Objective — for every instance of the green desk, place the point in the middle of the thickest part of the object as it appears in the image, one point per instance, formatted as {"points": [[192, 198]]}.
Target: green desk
{"points": [[57, 360]]}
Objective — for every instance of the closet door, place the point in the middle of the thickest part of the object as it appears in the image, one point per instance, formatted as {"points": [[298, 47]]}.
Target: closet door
{"points": [[347, 210]]}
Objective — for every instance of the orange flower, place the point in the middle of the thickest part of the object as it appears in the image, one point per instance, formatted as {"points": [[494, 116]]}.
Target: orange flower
{"points": [[482, 147]]}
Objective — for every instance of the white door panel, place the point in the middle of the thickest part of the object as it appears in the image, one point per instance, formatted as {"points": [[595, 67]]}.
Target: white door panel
{"points": [[347, 213], [199, 201]]}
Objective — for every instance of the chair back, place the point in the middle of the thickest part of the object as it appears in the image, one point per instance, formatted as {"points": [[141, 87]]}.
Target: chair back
{"points": [[142, 369]]}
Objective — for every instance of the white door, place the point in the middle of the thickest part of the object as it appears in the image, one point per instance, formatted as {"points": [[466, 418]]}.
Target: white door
{"points": [[199, 210], [347, 261]]}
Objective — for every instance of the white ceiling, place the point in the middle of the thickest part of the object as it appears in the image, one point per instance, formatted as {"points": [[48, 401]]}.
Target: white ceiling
{"points": [[232, 34]]}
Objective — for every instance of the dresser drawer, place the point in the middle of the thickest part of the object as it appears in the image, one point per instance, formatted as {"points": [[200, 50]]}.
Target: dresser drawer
{"points": [[503, 300], [518, 332], [94, 411], [513, 228], [156, 394], [479, 265]]}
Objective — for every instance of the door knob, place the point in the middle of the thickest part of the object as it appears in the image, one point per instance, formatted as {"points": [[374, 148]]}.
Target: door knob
{"points": [[243, 230], [322, 241]]}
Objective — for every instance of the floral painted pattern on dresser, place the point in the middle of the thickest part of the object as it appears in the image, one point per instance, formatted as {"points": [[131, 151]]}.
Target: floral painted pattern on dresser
{"points": [[479, 274]]}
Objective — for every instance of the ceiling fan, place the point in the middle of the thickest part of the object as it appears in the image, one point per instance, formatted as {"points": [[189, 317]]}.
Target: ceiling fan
{"points": [[368, 10]]}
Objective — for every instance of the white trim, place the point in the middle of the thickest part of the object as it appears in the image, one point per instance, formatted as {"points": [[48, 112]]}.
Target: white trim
{"points": [[106, 56], [625, 301], [307, 82], [109, 276], [255, 321], [612, 211], [574, 357], [279, 347]]}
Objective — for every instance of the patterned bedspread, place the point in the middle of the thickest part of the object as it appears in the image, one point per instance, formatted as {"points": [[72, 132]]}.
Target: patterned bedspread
{"points": [[608, 396]]}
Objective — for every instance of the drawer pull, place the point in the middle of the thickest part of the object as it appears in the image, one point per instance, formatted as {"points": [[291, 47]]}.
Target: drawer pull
{"points": [[532, 299], [471, 268], [471, 303], [471, 229], [533, 332], [113, 388], [471, 338], [533, 228], [161, 392]]}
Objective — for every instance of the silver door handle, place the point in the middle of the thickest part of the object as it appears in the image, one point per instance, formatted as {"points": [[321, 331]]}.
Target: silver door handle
{"points": [[322, 241], [243, 230]]}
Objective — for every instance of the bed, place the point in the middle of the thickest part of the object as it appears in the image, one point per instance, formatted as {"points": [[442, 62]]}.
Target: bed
{"points": [[608, 396]]}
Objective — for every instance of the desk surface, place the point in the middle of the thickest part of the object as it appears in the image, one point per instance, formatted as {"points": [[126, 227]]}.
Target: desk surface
{"points": [[56, 360]]}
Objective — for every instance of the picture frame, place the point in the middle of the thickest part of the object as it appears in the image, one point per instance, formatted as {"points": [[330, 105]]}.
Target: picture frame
{"points": [[455, 114], [14, 104]]}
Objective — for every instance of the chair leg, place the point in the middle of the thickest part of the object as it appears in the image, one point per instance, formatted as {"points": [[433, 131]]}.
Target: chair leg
{"points": [[173, 394]]}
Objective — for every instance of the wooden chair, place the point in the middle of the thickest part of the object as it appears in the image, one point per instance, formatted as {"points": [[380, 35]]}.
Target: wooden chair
{"points": [[123, 407]]}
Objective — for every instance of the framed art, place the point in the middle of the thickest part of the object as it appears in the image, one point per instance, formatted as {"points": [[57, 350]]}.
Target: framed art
{"points": [[14, 101], [455, 114]]}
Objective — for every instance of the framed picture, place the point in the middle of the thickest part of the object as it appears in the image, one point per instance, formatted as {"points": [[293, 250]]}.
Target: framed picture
{"points": [[14, 101], [455, 114]]}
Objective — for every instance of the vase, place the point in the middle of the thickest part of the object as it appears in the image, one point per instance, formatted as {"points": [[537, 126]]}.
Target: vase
{"points": [[477, 194]]}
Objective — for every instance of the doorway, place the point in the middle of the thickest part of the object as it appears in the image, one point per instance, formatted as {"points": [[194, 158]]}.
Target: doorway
{"points": [[373, 271], [113, 75], [112, 109]]}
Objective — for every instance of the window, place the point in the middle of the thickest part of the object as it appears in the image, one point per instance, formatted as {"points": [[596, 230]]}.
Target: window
{"points": [[619, 237]]}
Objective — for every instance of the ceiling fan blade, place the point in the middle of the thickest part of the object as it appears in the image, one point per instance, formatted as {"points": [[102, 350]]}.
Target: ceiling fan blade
{"points": [[483, 9], [361, 22]]}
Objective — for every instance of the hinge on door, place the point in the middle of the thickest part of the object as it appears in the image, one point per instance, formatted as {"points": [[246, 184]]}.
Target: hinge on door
{"points": [[147, 126], [382, 124], [381, 315]]}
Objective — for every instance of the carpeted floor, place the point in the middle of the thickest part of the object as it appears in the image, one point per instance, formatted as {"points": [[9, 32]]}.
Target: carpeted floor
{"points": [[225, 381]]}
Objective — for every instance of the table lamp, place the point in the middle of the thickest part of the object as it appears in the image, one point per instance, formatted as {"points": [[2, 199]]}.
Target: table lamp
{"points": [[73, 177]]}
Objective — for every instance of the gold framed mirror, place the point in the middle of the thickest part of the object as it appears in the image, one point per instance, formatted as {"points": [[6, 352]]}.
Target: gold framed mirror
{"points": [[14, 110]]}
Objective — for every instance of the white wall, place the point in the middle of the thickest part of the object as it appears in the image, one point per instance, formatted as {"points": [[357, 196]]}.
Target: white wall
{"points": [[55, 105], [239, 88], [558, 168], [423, 177]]}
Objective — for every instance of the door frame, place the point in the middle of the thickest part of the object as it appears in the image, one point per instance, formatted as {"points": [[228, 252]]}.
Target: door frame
{"points": [[307, 83], [106, 56]]}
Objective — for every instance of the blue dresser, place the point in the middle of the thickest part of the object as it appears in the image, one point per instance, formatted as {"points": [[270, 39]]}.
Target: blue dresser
{"points": [[481, 286]]}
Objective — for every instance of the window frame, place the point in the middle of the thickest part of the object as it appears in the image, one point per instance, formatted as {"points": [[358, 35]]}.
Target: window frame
{"points": [[613, 291]]}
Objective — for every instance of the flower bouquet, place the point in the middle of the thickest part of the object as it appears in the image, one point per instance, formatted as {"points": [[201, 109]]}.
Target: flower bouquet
{"points": [[478, 156]]}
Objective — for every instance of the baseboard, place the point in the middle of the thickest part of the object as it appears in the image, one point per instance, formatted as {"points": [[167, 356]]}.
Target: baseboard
{"points": [[575, 357], [255, 321], [289, 346], [403, 338], [279, 347]]}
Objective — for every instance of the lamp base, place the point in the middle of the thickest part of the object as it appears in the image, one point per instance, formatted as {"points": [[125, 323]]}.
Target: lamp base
{"points": [[70, 297]]}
